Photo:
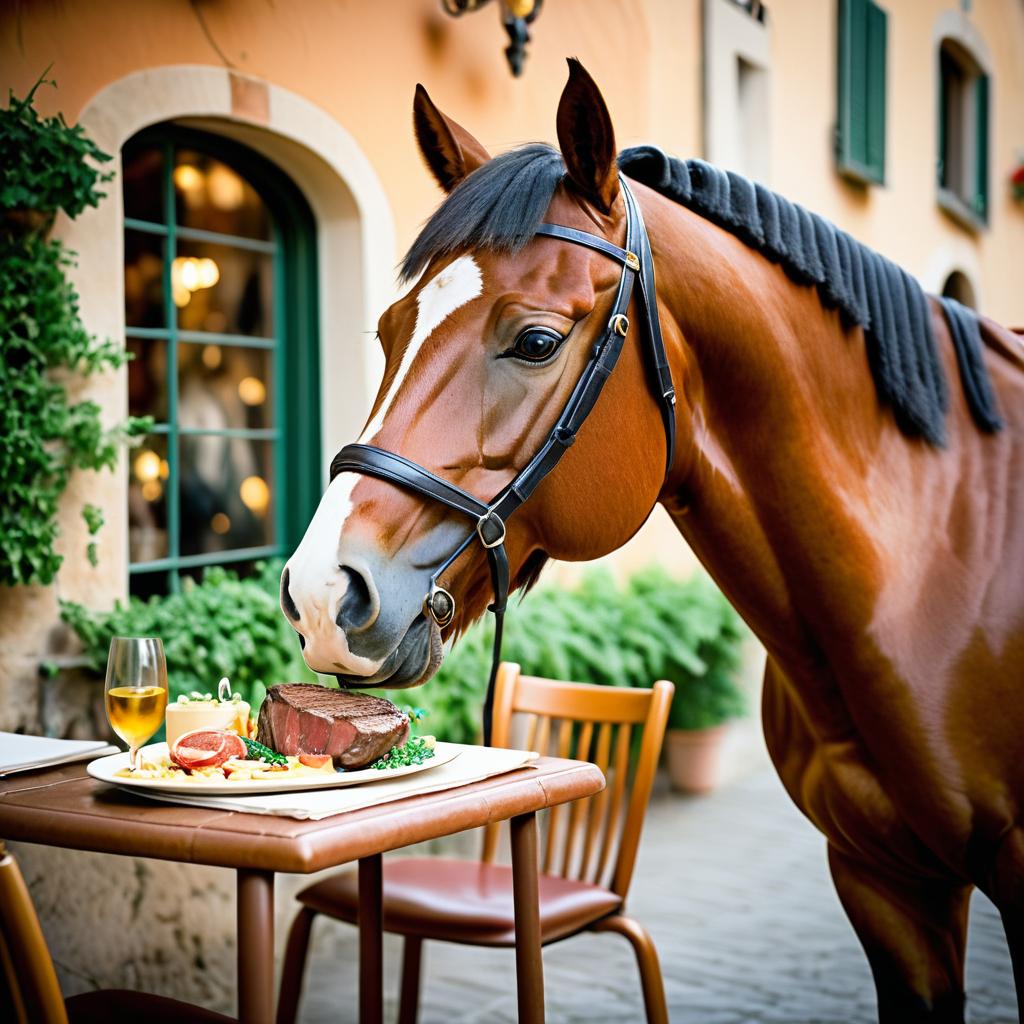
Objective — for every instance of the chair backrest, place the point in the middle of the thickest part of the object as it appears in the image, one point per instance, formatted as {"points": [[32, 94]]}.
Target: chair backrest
{"points": [[32, 986], [618, 729]]}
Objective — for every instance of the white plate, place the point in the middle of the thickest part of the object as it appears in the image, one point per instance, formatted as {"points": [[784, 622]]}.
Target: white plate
{"points": [[106, 768]]}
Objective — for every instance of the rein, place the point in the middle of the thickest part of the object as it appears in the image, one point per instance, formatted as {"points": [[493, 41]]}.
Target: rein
{"points": [[490, 517]]}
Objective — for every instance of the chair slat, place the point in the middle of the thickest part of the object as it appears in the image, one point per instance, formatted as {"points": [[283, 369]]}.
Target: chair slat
{"points": [[578, 806], [543, 740], [555, 814], [596, 803], [531, 732], [619, 772]]}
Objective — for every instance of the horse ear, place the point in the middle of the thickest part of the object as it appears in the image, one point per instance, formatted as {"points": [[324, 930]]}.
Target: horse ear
{"points": [[449, 150], [587, 139]]}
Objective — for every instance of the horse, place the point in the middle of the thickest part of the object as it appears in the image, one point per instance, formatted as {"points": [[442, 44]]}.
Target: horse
{"points": [[859, 510]]}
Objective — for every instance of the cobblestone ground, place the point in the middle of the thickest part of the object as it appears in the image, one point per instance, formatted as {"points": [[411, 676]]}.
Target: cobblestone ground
{"points": [[735, 890]]}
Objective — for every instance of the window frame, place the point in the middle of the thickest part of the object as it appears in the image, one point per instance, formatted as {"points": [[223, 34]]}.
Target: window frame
{"points": [[294, 344], [970, 213], [862, 25]]}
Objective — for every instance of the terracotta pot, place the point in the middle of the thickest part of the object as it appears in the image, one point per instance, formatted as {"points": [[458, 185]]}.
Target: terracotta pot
{"points": [[695, 758]]}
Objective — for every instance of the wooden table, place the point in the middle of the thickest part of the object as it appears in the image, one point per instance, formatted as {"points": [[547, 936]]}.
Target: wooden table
{"points": [[65, 807]]}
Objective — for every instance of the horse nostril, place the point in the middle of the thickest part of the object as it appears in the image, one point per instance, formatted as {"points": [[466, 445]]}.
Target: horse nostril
{"points": [[286, 598], [358, 607]]}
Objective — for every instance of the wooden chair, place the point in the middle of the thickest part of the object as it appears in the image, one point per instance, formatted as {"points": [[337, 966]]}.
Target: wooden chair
{"points": [[589, 847], [32, 994]]}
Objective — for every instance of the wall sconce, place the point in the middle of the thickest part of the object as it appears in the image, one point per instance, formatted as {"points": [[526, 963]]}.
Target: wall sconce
{"points": [[516, 15]]}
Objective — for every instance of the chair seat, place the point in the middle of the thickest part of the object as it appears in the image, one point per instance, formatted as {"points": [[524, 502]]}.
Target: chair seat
{"points": [[121, 1006], [462, 901]]}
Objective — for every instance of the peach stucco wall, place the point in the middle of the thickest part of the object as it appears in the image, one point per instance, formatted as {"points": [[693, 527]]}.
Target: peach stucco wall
{"points": [[361, 61]]}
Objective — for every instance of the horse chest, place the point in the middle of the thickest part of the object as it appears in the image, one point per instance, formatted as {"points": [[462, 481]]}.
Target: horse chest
{"points": [[835, 784]]}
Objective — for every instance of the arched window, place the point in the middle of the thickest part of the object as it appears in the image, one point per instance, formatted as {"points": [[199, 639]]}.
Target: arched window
{"points": [[220, 314], [958, 286]]}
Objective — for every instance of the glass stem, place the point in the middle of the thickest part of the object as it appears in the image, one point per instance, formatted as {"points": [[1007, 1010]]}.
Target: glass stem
{"points": [[133, 755]]}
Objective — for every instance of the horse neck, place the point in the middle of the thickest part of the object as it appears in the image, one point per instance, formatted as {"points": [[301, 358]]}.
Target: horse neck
{"points": [[781, 422]]}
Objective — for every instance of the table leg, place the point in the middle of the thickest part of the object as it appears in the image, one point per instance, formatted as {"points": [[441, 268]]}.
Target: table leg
{"points": [[529, 969], [255, 923], [371, 941]]}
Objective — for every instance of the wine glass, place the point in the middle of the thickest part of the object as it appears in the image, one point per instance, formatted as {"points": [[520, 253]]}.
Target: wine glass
{"points": [[136, 690]]}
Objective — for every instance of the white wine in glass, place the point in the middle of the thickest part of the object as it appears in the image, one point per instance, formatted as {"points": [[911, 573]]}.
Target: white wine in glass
{"points": [[136, 691]]}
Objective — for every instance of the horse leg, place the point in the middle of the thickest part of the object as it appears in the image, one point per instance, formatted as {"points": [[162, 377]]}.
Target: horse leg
{"points": [[914, 932]]}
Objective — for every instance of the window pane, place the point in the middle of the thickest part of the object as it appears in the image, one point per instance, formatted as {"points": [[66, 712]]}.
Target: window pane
{"points": [[143, 279], [147, 584], [143, 174], [210, 195], [222, 289], [147, 500], [227, 491], [224, 386], [147, 379]]}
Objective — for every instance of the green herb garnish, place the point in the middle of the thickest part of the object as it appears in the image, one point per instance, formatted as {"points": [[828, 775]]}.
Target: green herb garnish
{"points": [[415, 751], [260, 752]]}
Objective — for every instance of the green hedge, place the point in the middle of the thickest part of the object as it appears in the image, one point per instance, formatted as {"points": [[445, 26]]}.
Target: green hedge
{"points": [[223, 626], [654, 627]]}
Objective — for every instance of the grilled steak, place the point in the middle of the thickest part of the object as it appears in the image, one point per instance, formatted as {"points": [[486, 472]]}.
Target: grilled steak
{"points": [[356, 729]]}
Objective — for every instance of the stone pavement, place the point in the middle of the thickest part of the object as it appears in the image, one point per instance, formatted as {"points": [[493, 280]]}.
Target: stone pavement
{"points": [[734, 888]]}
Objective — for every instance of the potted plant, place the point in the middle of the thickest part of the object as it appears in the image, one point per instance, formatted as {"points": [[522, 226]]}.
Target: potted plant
{"points": [[708, 695]]}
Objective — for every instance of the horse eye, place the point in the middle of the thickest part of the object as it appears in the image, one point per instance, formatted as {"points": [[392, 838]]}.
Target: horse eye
{"points": [[535, 345]]}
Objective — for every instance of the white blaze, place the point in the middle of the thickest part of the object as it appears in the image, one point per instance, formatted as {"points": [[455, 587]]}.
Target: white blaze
{"points": [[457, 284], [317, 584]]}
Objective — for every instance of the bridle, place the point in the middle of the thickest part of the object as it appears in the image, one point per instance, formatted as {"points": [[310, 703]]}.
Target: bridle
{"points": [[491, 517]]}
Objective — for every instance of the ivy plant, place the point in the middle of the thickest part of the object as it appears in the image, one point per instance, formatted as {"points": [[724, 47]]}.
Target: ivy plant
{"points": [[46, 166]]}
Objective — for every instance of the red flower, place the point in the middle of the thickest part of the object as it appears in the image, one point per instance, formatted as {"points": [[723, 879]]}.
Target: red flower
{"points": [[1018, 176]]}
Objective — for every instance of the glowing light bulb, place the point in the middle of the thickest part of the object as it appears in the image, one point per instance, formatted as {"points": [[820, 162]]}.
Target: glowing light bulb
{"points": [[252, 391], [255, 494], [188, 178], [207, 273], [226, 189], [147, 465]]}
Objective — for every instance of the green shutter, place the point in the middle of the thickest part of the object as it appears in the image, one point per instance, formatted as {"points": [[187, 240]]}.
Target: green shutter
{"points": [[860, 136], [981, 95], [877, 24]]}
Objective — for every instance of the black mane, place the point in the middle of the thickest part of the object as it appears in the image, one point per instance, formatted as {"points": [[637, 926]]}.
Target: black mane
{"points": [[500, 205]]}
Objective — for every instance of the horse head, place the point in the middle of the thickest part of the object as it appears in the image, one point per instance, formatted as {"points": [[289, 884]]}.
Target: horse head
{"points": [[481, 356]]}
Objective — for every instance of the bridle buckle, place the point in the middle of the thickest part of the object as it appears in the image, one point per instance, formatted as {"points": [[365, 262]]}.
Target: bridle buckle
{"points": [[439, 605], [620, 324], [490, 528]]}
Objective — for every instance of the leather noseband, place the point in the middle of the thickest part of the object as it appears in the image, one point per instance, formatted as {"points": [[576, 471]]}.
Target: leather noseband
{"points": [[490, 517]]}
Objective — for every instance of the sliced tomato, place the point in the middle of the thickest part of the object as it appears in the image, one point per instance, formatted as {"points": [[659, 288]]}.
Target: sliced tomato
{"points": [[315, 760], [206, 748]]}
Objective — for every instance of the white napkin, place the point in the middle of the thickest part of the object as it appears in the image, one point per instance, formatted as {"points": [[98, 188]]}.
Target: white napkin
{"points": [[20, 753], [473, 764]]}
